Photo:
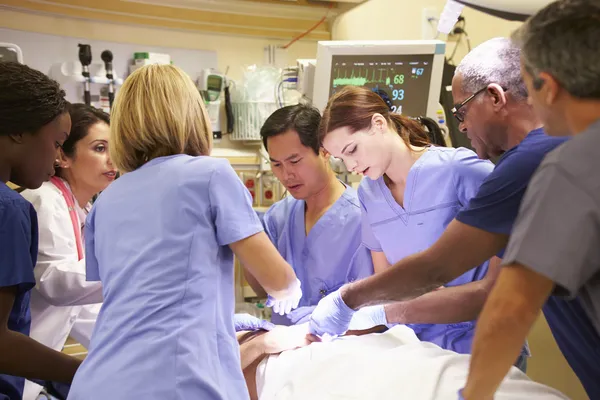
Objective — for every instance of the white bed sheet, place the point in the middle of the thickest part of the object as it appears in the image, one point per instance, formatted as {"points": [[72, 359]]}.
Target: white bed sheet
{"points": [[393, 365]]}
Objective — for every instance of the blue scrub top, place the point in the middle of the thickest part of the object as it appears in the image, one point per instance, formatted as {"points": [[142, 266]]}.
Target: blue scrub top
{"points": [[330, 256], [18, 255], [158, 240], [440, 183], [496, 205]]}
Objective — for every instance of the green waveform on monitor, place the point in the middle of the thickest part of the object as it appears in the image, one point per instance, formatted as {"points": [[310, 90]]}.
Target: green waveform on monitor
{"points": [[350, 81], [361, 78]]}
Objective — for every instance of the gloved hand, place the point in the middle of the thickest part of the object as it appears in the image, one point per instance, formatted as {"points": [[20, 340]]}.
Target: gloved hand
{"points": [[331, 316], [300, 315], [368, 317], [460, 395], [246, 322], [284, 306]]}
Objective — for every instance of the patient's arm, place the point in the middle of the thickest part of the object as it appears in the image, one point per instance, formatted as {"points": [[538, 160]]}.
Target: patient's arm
{"points": [[256, 345], [252, 347], [252, 352], [360, 332]]}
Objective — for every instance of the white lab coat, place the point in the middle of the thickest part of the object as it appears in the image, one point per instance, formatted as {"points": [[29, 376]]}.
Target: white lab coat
{"points": [[61, 292]]}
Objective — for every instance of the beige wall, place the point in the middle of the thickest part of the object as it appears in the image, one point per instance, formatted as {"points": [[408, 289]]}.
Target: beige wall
{"points": [[547, 364], [402, 19]]}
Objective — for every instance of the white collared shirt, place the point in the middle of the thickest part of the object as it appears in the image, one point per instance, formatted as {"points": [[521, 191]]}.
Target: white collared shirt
{"points": [[61, 290]]}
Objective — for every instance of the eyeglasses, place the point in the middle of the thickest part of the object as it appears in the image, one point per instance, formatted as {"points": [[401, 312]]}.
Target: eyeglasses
{"points": [[461, 117]]}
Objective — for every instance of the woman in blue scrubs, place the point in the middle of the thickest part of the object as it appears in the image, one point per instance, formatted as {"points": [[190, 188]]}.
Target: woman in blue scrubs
{"points": [[34, 123], [161, 239], [412, 191]]}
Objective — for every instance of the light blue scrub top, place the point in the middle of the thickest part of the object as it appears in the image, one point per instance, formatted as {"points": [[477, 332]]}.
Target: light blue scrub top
{"points": [[439, 184], [330, 256], [158, 240]]}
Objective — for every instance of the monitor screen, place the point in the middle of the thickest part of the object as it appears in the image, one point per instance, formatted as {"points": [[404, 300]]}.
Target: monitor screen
{"points": [[404, 79]]}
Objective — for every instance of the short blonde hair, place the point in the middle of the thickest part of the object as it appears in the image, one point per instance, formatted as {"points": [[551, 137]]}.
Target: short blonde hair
{"points": [[157, 112]]}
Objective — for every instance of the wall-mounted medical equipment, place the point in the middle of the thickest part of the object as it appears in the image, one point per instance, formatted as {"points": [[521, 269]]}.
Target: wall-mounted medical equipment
{"points": [[409, 73], [10, 52], [306, 77], [406, 74], [107, 57], [85, 58], [70, 76], [142, 58], [210, 85]]}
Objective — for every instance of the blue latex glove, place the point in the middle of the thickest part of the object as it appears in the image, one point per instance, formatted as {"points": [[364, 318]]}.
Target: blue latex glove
{"points": [[284, 306], [246, 322], [460, 395], [368, 317], [331, 316], [301, 315]]}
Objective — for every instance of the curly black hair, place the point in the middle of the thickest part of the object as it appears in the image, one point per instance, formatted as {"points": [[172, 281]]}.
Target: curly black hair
{"points": [[28, 99]]}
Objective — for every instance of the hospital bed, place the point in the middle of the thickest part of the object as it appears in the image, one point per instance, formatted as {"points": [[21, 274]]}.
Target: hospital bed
{"points": [[392, 365]]}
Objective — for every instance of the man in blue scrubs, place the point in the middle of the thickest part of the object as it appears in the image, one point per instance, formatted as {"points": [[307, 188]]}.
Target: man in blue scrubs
{"points": [[555, 244], [34, 122], [317, 229], [493, 111]]}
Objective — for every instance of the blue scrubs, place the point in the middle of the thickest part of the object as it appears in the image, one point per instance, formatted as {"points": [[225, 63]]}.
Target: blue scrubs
{"points": [[439, 184], [158, 240], [496, 206], [330, 256], [18, 255]]}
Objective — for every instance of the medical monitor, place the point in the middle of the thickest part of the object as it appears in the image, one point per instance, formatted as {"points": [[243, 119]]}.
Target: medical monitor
{"points": [[407, 73]]}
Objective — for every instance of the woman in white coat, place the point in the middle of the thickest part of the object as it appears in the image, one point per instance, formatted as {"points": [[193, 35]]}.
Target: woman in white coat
{"points": [[83, 169]]}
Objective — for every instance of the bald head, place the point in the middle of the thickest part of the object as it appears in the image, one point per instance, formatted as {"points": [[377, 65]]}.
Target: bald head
{"points": [[494, 61]]}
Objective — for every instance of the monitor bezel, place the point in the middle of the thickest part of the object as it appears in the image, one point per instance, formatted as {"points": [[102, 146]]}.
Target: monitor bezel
{"points": [[327, 49]]}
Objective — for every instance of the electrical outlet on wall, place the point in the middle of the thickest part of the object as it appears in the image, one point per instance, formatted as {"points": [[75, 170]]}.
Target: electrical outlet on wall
{"points": [[431, 15], [249, 180]]}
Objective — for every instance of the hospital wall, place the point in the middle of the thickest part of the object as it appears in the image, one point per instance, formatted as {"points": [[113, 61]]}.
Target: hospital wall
{"points": [[403, 19]]}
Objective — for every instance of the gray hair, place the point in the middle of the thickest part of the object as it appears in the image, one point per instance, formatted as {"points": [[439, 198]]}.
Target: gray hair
{"points": [[563, 40], [498, 61]]}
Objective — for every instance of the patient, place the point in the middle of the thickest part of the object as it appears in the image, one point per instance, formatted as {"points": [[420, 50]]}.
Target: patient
{"points": [[256, 345], [286, 363]]}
